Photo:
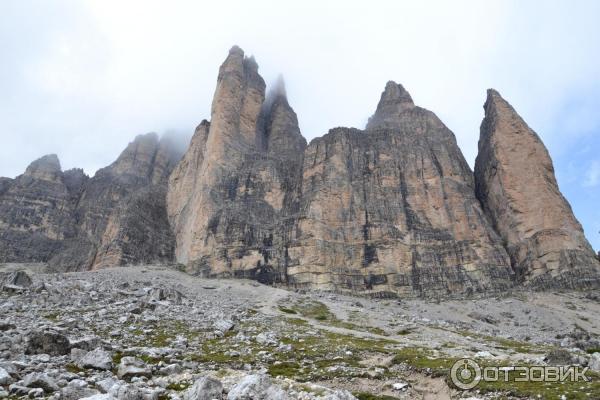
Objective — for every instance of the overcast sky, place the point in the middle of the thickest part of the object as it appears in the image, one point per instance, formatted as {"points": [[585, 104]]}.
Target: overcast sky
{"points": [[82, 78]]}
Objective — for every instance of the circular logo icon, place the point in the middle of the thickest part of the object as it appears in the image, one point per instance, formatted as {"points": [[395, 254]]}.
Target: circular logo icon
{"points": [[465, 374]]}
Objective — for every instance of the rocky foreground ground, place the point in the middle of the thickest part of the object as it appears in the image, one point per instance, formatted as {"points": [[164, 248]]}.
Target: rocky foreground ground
{"points": [[156, 333]]}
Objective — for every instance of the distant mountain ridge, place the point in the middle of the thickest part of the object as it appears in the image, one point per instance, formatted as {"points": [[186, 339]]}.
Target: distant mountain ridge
{"points": [[391, 210]]}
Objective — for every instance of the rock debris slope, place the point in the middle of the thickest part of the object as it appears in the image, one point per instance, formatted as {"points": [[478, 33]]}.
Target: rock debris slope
{"points": [[516, 184], [390, 210]]}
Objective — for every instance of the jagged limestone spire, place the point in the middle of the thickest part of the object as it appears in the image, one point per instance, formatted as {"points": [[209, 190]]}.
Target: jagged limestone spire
{"points": [[515, 182], [394, 100]]}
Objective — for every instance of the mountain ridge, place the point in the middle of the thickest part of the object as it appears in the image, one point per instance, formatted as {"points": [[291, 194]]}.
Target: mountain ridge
{"points": [[389, 210]]}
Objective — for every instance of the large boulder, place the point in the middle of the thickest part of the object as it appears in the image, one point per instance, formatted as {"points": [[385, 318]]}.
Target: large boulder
{"points": [[130, 367], [40, 380], [594, 362], [77, 389], [205, 388], [96, 359], [18, 278], [47, 342], [5, 377], [256, 387]]}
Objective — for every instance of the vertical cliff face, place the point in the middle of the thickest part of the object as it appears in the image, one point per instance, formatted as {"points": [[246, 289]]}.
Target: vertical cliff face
{"points": [[122, 209], [392, 210], [386, 211], [230, 195], [516, 184], [73, 222], [36, 212], [184, 192]]}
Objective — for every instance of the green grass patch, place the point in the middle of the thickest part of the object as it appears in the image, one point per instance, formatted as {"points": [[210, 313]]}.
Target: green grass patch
{"points": [[287, 310], [370, 396], [54, 316], [117, 356], [296, 321], [178, 386], [315, 310], [149, 359], [285, 369], [74, 369], [424, 359]]}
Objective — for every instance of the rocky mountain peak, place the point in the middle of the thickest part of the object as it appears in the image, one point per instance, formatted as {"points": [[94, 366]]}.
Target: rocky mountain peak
{"points": [[499, 111], [392, 210], [236, 50], [137, 159], [279, 132], [494, 95], [45, 168], [236, 105], [394, 100], [515, 182], [245, 67]]}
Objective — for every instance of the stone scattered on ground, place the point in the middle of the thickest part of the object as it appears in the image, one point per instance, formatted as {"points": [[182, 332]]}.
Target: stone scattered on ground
{"points": [[155, 333]]}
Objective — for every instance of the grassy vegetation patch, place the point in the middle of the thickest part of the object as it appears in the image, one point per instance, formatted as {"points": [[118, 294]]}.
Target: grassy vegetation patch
{"points": [[178, 386], [117, 356], [316, 310], [54, 316], [287, 310], [593, 350], [370, 396], [320, 312], [285, 369], [74, 369], [502, 343], [296, 321], [424, 359]]}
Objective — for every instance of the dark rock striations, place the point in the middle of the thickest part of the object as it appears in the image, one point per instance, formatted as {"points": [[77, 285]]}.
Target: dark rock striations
{"points": [[122, 211], [36, 212], [233, 197], [390, 210], [76, 223], [516, 185]]}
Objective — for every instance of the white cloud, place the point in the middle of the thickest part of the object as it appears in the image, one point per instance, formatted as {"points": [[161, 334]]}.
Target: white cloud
{"points": [[592, 176]]}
